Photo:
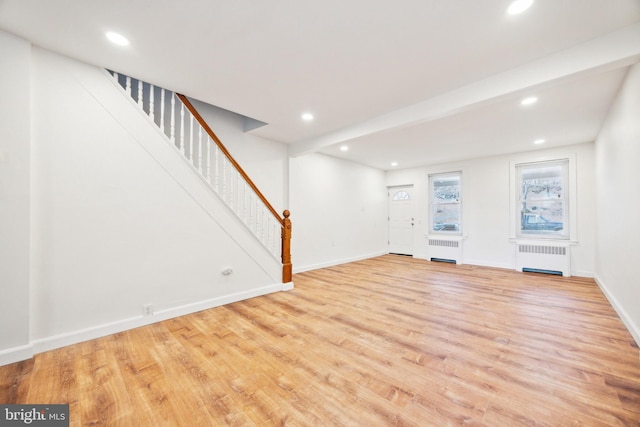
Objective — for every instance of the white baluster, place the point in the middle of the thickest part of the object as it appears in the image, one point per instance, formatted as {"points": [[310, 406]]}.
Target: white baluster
{"points": [[276, 237], [256, 216], [269, 229], [239, 181], [244, 202], [208, 173], [240, 200], [247, 204], [181, 129], [140, 93], [200, 150], [173, 118], [241, 191], [216, 169], [260, 220], [233, 179], [229, 185], [151, 102], [228, 176], [275, 250], [116, 76], [252, 213], [191, 139], [237, 199], [162, 109], [127, 85], [240, 196], [224, 178]]}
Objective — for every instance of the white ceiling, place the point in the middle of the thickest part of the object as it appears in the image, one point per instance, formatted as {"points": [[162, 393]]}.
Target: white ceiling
{"points": [[413, 81]]}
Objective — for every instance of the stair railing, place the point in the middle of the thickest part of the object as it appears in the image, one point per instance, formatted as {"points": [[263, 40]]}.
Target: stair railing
{"points": [[193, 138]]}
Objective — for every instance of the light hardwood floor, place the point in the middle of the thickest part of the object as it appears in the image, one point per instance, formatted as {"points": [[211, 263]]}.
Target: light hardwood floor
{"points": [[386, 341]]}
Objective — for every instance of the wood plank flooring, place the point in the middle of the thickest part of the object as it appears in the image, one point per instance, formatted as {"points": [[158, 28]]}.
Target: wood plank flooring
{"points": [[386, 341]]}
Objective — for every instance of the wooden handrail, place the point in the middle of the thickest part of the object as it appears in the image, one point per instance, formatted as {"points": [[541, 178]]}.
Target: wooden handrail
{"points": [[222, 148], [284, 221]]}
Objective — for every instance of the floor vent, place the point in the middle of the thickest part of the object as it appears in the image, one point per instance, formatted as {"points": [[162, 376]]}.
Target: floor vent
{"points": [[537, 270], [450, 261], [445, 249], [543, 257]]}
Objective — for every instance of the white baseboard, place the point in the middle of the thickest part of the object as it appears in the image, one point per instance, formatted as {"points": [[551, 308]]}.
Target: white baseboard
{"points": [[580, 273], [16, 354], [336, 262], [483, 263], [287, 286], [62, 340], [633, 329]]}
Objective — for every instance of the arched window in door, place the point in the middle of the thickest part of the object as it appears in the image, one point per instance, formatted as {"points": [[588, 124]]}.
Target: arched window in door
{"points": [[401, 195]]}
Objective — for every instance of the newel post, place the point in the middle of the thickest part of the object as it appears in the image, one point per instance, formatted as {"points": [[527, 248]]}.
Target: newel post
{"points": [[286, 248]]}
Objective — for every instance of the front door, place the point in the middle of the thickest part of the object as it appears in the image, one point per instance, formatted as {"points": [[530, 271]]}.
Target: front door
{"points": [[401, 220]]}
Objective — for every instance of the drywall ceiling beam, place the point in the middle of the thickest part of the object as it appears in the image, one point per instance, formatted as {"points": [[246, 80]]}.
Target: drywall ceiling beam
{"points": [[617, 49]]}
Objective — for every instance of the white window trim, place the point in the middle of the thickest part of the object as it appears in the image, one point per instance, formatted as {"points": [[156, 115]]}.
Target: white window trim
{"points": [[571, 158]]}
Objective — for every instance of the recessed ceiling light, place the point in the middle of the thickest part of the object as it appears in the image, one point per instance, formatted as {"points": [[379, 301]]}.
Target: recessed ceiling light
{"points": [[307, 117], [118, 39], [539, 141], [529, 100], [394, 163], [344, 148], [519, 6]]}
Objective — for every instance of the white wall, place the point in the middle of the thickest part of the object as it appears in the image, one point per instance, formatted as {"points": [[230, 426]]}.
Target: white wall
{"points": [[486, 204], [618, 203], [338, 211], [14, 197], [118, 219]]}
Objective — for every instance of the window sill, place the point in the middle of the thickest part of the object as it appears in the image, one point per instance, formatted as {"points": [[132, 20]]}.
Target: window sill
{"points": [[445, 236], [543, 240]]}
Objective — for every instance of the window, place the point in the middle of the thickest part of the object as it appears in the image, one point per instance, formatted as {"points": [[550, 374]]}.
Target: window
{"points": [[401, 195], [542, 204], [446, 203]]}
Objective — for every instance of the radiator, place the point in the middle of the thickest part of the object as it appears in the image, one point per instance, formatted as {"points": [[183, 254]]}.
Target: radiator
{"points": [[543, 256], [444, 249]]}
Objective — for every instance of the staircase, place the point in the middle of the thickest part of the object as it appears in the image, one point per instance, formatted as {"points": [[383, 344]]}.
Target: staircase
{"points": [[192, 138]]}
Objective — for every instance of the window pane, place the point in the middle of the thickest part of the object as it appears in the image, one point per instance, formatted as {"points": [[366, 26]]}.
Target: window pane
{"points": [[542, 183], [446, 190], [542, 217], [446, 217]]}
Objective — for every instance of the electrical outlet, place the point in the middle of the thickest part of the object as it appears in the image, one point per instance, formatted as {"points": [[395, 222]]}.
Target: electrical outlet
{"points": [[147, 310]]}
